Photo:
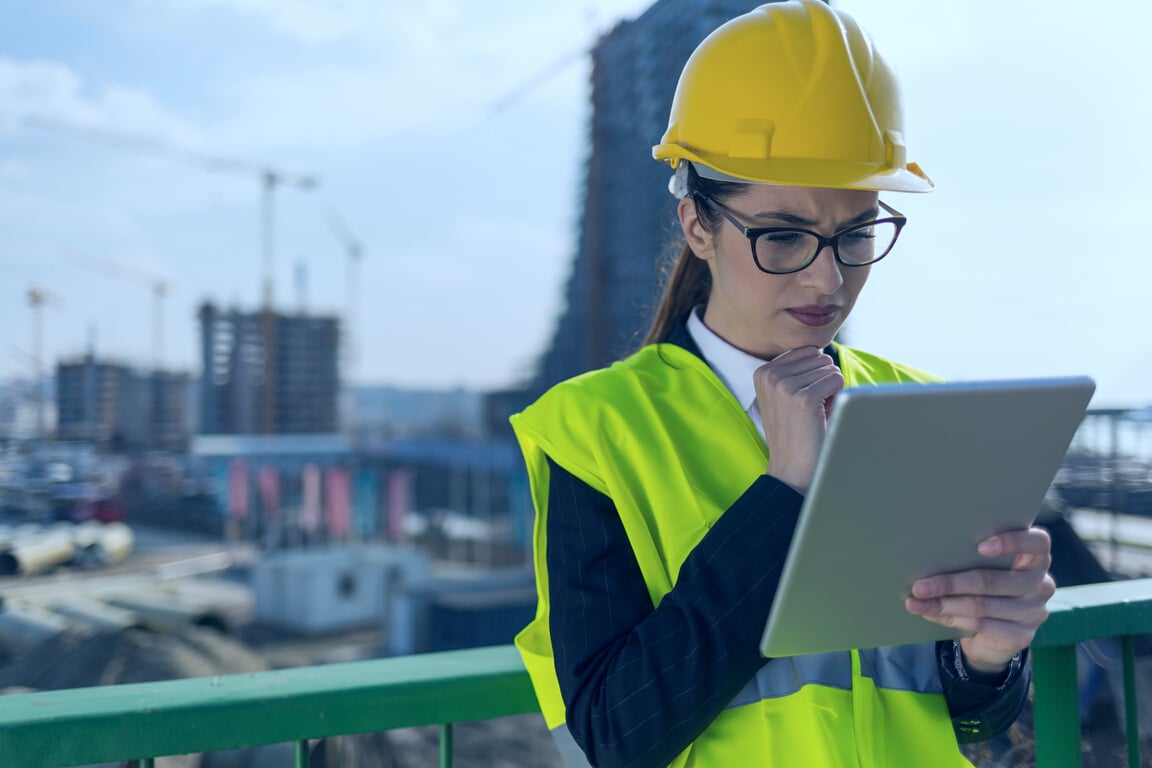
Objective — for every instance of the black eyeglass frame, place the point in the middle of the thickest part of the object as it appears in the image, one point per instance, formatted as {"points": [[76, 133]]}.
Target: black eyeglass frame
{"points": [[754, 233]]}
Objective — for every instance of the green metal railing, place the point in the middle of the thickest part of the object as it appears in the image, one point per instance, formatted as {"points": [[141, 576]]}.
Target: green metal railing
{"points": [[143, 721], [1120, 609]]}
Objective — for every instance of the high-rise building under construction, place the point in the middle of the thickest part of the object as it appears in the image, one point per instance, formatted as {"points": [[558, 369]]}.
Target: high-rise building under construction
{"points": [[627, 224], [268, 373]]}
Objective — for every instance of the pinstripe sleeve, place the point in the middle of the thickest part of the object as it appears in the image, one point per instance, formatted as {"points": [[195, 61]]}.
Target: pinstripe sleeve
{"points": [[982, 707], [640, 684]]}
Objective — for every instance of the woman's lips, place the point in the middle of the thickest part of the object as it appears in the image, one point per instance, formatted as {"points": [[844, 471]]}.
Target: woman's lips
{"points": [[815, 316]]}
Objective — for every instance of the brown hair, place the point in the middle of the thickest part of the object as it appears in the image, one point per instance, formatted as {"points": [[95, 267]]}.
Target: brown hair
{"points": [[687, 281]]}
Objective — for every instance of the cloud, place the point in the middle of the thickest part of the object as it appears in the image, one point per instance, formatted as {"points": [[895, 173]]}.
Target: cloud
{"points": [[339, 105], [392, 105], [334, 21], [41, 88], [454, 28]]}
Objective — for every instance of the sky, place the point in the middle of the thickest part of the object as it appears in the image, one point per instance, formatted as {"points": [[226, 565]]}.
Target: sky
{"points": [[448, 138]]}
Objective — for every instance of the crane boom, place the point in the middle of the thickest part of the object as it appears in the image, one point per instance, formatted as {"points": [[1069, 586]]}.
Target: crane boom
{"points": [[269, 178], [355, 252], [147, 146], [159, 287]]}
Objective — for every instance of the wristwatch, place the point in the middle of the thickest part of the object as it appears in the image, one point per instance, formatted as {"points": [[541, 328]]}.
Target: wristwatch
{"points": [[955, 668]]}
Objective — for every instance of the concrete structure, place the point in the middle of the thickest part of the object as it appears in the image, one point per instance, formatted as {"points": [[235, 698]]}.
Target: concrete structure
{"points": [[91, 395], [170, 418], [268, 373], [120, 408]]}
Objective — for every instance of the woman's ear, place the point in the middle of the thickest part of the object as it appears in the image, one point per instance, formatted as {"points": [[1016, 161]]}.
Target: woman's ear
{"points": [[698, 238]]}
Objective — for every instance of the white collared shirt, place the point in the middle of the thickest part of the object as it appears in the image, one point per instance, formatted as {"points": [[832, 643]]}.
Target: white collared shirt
{"points": [[733, 366]]}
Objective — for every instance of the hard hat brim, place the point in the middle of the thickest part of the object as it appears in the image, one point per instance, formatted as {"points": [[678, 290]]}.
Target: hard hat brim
{"points": [[829, 174]]}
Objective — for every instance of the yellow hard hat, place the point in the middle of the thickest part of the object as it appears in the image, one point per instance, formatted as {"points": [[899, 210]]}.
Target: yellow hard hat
{"points": [[791, 93]]}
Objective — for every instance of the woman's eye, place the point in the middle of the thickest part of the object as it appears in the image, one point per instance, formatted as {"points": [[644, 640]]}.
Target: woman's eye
{"points": [[861, 234], [781, 238]]}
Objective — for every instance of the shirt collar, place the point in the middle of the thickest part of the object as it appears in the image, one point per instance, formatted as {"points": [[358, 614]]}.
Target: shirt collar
{"points": [[734, 366]]}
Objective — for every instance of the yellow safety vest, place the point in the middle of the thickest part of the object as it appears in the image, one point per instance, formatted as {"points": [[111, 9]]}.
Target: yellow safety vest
{"points": [[651, 431]]}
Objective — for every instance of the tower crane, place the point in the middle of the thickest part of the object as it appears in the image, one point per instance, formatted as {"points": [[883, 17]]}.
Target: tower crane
{"points": [[158, 286], [558, 66], [355, 252], [38, 298], [270, 180], [541, 77]]}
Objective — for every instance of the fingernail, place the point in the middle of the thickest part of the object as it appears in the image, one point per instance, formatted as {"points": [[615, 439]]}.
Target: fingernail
{"points": [[923, 589], [990, 547]]}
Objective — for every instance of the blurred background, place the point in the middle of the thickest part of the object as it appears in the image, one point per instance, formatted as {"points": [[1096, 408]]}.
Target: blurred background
{"points": [[275, 273]]}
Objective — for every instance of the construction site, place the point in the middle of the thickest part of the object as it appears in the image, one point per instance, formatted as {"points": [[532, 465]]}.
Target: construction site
{"points": [[102, 604], [218, 489]]}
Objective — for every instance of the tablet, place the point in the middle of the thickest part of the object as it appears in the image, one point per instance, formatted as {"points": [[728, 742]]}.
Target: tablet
{"points": [[910, 478]]}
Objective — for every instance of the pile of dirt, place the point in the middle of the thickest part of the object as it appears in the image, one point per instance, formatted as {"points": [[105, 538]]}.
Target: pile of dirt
{"points": [[1102, 743], [81, 656]]}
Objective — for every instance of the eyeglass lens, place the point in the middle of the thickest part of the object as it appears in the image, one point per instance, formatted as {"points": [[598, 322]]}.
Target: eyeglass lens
{"points": [[788, 250]]}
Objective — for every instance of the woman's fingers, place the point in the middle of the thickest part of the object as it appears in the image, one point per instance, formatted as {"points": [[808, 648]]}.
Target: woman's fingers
{"points": [[1001, 609], [1017, 583], [793, 362], [796, 378], [791, 392], [1031, 551], [1004, 635], [1032, 548], [972, 612], [797, 383]]}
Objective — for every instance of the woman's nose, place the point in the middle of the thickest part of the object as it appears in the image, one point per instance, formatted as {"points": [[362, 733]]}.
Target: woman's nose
{"points": [[823, 273]]}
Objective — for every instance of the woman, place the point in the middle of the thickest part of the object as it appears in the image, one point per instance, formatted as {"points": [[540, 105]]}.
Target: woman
{"points": [[667, 486]]}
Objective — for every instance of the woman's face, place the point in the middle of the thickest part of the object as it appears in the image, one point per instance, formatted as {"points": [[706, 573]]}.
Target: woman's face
{"points": [[765, 314]]}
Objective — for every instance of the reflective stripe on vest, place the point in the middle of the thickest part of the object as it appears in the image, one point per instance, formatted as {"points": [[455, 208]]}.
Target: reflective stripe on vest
{"points": [[648, 433], [900, 668]]}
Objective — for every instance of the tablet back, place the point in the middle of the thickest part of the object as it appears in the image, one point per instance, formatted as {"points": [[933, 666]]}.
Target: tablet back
{"points": [[910, 479]]}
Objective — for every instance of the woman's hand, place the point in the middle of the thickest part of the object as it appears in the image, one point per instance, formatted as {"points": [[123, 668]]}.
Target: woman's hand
{"points": [[792, 392], [1003, 608]]}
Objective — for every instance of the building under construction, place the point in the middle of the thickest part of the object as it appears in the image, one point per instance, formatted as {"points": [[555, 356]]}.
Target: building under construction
{"points": [[268, 373], [627, 224], [119, 408]]}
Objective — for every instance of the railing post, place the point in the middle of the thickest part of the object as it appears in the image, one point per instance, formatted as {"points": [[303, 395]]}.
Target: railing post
{"points": [[446, 745], [1131, 711], [1056, 707]]}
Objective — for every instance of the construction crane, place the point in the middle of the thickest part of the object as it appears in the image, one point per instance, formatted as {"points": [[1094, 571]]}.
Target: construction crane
{"points": [[158, 286], [541, 77], [557, 67], [38, 298], [270, 179], [355, 252]]}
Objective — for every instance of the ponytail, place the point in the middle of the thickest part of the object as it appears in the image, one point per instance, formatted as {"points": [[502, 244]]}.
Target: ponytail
{"points": [[687, 281]]}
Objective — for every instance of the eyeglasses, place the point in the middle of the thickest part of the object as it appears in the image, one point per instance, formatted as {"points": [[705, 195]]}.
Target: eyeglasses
{"points": [[784, 250]]}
